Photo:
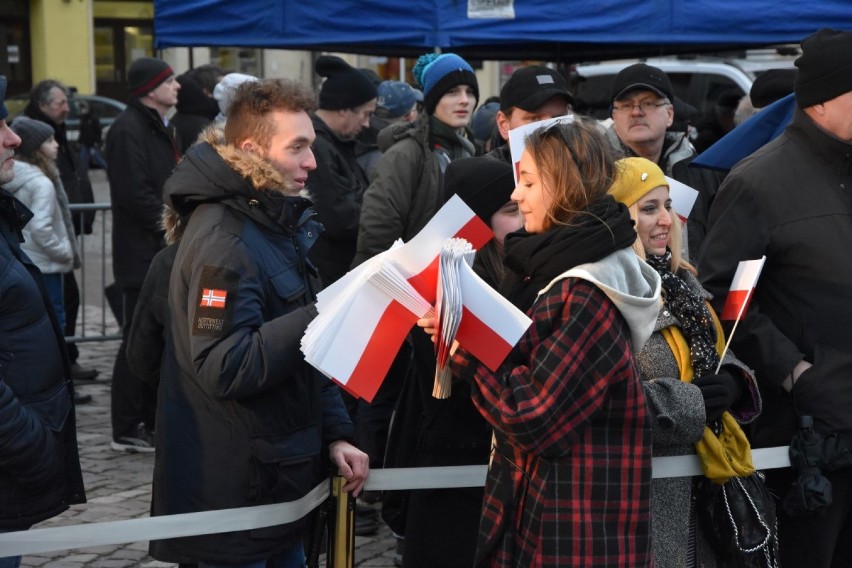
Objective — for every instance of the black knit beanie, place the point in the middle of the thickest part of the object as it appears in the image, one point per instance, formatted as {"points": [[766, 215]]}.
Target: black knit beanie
{"points": [[484, 184], [33, 133], [825, 67], [770, 86], [344, 87], [146, 74], [438, 73]]}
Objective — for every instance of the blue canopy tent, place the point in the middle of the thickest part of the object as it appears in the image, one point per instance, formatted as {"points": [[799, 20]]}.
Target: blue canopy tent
{"points": [[566, 31]]}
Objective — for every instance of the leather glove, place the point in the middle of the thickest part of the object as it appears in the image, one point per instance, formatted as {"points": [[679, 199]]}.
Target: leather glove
{"points": [[720, 392]]}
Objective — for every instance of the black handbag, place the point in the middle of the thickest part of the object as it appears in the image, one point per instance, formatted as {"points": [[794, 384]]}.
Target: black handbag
{"points": [[738, 519]]}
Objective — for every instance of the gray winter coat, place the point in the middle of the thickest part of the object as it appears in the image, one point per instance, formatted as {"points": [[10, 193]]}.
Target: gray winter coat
{"points": [[405, 191], [678, 415]]}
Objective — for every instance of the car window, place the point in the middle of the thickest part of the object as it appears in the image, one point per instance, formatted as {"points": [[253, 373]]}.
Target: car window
{"points": [[102, 109], [707, 87]]}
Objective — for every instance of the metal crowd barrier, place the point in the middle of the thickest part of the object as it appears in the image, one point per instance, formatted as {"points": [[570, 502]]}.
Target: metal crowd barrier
{"points": [[94, 256]]}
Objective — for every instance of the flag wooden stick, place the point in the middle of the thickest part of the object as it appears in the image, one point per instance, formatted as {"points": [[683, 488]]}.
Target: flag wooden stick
{"points": [[733, 329]]}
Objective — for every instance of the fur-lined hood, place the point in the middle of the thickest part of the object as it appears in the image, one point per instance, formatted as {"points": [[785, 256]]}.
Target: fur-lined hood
{"points": [[214, 171]]}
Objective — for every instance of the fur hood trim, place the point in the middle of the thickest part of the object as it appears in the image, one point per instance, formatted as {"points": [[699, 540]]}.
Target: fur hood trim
{"points": [[260, 173]]}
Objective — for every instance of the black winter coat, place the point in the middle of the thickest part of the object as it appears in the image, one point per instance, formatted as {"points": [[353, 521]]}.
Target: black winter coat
{"points": [[39, 463], [791, 201], [195, 110], [336, 187], [141, 152], [146, 341], [242, 420]]}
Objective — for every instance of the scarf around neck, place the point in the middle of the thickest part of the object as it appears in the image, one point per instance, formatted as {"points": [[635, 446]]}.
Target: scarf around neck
{"points": [[449, 140], [534, 259], [691, 311]]}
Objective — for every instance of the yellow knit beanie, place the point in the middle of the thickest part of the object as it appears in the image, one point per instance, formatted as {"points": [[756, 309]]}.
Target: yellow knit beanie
{"points": [[634, 178]]}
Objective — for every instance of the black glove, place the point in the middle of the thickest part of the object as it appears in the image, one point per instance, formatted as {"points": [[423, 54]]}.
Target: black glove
{"points": [[720, 392]]}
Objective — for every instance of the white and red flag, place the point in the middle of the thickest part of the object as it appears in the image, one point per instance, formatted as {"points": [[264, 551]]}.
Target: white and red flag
{"points": [[364, 316], [683, 198], [742, 288]]}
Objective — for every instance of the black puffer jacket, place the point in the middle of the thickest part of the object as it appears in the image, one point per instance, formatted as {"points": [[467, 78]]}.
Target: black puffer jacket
{"points": [[39, 464], [141, 153], [242, 420]]}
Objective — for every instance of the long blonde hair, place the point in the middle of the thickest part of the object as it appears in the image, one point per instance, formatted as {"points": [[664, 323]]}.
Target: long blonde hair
{"points": [[678, 261]]}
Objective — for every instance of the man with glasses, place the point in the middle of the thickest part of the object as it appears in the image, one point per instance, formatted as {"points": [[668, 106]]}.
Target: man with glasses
{"points": [[347, 100], [642, 111]]}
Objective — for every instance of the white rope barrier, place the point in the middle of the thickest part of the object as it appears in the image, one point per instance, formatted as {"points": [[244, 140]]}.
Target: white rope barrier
{"points": [[227, 520]]}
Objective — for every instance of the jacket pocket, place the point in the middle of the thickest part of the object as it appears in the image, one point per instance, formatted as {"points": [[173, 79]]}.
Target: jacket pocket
{"points": [[283, 468], [288, 285], [53, 410], [52, 407], [825, 390]]}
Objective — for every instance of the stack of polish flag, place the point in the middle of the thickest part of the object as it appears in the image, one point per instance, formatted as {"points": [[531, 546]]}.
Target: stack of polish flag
{"points": [[365, 316]]}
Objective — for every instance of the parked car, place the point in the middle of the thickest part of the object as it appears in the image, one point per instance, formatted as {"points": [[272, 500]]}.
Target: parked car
{"points": [[105, 108], [697, 81]]}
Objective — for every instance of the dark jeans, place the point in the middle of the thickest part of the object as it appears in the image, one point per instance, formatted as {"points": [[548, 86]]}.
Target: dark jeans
{"points": [[71, 294], [815, 541], [291, 558], [93, 152], [133, 400]]}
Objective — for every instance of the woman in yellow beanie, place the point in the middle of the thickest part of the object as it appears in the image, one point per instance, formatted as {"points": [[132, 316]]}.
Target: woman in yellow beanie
{"points": [[678, 367]]}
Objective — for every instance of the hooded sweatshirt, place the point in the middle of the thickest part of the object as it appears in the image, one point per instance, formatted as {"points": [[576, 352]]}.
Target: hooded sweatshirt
{"points": [[631, 284]]}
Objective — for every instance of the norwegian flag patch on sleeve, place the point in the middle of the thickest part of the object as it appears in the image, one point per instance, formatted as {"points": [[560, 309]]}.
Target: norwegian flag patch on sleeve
{"points": [[214, 301]]}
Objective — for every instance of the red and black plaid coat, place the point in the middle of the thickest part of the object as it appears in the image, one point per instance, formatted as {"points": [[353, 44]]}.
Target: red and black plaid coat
{"points": [[569, 482]]}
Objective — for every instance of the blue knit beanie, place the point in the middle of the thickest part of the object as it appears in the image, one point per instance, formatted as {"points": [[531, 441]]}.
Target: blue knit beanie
{"points": [[438, 73]]}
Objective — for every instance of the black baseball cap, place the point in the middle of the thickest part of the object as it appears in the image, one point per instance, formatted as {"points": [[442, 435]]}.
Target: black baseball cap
{"points": [[530, 87], [3, 112], [641, 77]]}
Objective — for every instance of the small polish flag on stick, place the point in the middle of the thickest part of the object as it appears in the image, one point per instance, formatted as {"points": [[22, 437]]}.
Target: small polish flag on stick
{"points": [[683, 198], [742, 290]]}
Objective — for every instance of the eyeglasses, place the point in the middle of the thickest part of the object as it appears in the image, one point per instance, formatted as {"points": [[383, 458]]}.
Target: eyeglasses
{"points": [[644, 106]]}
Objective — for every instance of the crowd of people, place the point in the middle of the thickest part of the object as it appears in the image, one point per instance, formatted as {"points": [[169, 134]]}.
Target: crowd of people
{"points": [[232, 213]]}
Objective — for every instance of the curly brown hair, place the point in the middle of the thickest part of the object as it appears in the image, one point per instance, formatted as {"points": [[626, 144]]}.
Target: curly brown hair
{"points": [[576, 164], [254, 100]]}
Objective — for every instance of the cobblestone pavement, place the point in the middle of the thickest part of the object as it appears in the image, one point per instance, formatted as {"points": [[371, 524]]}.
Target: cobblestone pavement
{"points": [[118, 484]]}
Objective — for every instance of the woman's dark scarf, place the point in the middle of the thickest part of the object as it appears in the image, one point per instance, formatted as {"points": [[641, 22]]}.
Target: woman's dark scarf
{"points": [[534, 259], [691, 311]]}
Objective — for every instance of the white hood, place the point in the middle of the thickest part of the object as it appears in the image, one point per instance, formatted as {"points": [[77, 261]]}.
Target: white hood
{"points": [[630, 283]]}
